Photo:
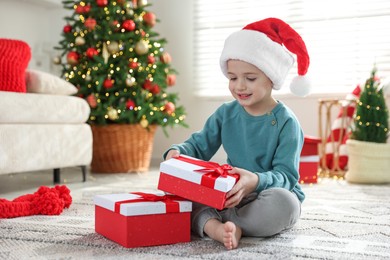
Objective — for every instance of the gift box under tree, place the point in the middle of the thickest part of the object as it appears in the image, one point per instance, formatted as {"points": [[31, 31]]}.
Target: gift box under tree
{"points": [[142, 219], [309, 160], [197, 180]]}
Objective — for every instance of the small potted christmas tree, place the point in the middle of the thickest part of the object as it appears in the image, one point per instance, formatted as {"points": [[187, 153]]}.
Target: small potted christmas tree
{"points": [[121, 68], [369, 154]]}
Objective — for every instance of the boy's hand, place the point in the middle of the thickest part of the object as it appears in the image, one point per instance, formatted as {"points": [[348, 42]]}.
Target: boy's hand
{"points": [[247, 184], [172, 154]]}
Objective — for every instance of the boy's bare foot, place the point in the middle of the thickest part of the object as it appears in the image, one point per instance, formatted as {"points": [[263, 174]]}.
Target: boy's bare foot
{"points": [[227, 233], [231, 235]]}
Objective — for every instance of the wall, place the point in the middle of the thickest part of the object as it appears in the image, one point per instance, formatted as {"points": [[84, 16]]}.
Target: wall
{"points": [[41, 26], [39, 23]]}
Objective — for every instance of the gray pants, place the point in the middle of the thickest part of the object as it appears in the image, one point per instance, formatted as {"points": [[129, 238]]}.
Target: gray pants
{"points": [[258, 215]]}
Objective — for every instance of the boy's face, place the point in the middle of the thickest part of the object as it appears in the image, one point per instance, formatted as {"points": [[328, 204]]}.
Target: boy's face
{"points": [[250, 87]]}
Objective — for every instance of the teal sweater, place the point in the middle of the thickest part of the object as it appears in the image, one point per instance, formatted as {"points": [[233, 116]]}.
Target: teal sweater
{"points": [[267, 145]]}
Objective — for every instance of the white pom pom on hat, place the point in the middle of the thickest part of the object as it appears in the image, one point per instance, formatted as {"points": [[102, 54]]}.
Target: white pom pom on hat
{"points": [[268, 44]]}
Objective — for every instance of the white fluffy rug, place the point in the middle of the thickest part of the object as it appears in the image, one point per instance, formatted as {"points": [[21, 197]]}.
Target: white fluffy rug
{"points": [[339, 221]]}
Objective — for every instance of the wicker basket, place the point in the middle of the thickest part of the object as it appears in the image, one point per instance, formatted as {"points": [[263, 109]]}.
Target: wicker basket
{"points": [[122, 148], [368, 162]]}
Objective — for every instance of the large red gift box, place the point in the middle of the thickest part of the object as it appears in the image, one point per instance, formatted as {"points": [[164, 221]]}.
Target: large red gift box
{"points": [[309, 161], [196, 180], [142, 219]]}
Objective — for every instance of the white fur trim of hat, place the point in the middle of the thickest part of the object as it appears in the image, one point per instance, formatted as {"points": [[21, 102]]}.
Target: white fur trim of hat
{"points": [[269, 44]]}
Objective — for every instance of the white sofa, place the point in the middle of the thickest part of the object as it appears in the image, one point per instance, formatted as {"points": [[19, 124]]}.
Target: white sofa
{"points": [[44, 130]]}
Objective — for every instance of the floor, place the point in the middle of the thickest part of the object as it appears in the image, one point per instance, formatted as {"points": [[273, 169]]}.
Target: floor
{"points": [[13, 185]]}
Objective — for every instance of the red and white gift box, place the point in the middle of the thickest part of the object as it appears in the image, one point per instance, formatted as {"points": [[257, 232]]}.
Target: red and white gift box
{"points": [[308, 169], [309, 160], [143, 219], [196, 180]]}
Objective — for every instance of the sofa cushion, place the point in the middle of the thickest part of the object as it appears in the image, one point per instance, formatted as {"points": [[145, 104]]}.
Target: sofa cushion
{"points": [[46, 83], [14, 58], [18, 108]]}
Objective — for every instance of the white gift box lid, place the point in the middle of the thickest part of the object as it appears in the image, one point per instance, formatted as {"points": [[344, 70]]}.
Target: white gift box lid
{"points": [[186, 171], [108, 201], [310, 158]]}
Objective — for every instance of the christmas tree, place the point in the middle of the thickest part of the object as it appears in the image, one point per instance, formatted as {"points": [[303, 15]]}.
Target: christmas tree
{"points": [[119, 64], [371, 118]]}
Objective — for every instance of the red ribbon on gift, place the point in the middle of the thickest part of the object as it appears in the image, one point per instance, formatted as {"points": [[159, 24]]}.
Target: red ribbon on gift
{"points": [[170, 201], [212, 171]]}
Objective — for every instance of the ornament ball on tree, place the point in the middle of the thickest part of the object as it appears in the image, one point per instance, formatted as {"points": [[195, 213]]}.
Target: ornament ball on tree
{"points": [[72, 58], [91, 52], [128, 25], [141, 47], [108, 83], [150, 19], [90, 23], [169, 108]]}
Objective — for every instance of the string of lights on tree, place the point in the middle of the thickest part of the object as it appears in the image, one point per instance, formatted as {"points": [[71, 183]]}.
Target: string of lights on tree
{"points": [[118, 64], [371, 118]]}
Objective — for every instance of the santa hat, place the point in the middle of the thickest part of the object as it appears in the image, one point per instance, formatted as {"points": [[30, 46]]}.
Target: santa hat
{"points": [[263, 44]]}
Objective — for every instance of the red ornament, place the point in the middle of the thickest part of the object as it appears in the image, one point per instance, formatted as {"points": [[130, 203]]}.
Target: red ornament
{"points": [[87, 8], [102, 3], [108, 83], [90, 23], [150, 19], [171, 79], [169, 108], [130, 104], [79, 9], [152, 87], [115, 25], [166, 57], [67, 28], [147, 85], [83, 9], [133, 65], [73, 58], [155, 89], [91, 99], [128, 25], [151, 59], [91, 52]]}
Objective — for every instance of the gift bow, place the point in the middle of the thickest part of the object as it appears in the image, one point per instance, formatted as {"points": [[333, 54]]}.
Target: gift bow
{"points": [[170, 201], [212, 170]]}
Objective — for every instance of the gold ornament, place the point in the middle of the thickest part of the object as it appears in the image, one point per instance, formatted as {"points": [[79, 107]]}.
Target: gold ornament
{"points": [[130, 11], [79, 41], [57, 60], [112, 114], [144, 123], [113, 47], [142, 2], [105, 53], [130, 82], [141, 47]]}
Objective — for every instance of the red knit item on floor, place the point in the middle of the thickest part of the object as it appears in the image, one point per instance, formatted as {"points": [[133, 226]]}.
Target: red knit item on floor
{"points": [[14, 58], [45, 201]]}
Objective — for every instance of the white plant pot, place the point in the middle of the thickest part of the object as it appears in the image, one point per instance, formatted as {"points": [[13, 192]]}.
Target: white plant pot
{"points": [[368, 162]]}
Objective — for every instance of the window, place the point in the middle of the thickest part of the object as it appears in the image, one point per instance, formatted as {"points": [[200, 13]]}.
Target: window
{"points": [[344, 38]]}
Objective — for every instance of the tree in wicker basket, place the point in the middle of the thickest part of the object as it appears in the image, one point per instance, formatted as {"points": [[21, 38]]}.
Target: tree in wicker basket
{"points": [[369, 154], [120, 67]]}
